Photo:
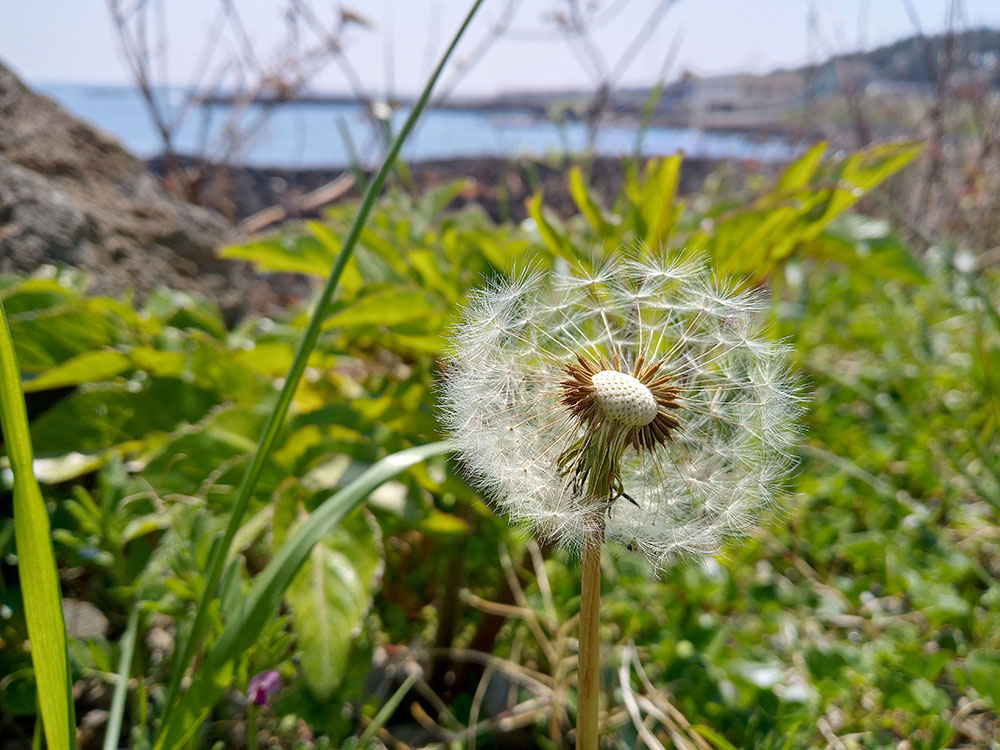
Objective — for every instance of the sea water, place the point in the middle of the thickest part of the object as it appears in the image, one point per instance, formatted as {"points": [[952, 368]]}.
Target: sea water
{"points": [[318, 135]]}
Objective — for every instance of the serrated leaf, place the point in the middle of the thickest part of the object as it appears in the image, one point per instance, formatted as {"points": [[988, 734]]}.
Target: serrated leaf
{"points": [[859, 174]]}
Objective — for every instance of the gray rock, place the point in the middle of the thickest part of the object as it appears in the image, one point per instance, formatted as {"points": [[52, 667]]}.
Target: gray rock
{"points": [[70, 194]]}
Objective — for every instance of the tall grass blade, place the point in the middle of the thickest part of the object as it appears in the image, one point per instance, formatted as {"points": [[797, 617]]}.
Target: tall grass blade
{"points": [[114, 728], [385, 713], [262, 600], [214, 572], [36, 562]]}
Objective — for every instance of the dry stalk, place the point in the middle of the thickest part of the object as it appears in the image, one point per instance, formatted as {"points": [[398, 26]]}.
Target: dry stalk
{"points": [[531, 617]]}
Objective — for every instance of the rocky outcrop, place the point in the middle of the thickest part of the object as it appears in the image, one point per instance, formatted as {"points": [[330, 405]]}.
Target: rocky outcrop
{"points": [[71, 194]]}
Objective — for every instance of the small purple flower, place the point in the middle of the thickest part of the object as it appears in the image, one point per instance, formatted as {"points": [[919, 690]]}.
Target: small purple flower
{"points": [[263, 686]]}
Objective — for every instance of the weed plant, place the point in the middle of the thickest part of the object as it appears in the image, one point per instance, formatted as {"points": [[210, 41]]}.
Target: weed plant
{"points": [[865, 615]]}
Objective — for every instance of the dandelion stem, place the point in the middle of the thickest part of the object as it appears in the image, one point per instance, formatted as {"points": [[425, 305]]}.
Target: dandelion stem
{"points": [[588, 688]]}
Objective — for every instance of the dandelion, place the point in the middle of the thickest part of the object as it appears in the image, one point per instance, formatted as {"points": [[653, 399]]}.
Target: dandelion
{"points": [[639, 403]]}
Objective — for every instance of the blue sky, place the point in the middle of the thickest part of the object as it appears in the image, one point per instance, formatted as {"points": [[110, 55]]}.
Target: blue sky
{"points": [[73, 40]]}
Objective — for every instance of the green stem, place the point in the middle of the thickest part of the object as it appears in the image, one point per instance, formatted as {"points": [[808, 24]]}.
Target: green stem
{"points": [[114, 730], [252, 726], [276, 420], [588, 683], [386, 711]]}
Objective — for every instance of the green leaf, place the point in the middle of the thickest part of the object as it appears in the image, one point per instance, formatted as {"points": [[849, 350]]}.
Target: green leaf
{"points": [[859, 174], [186, 311], [108, 415], [437, 199], [330, 597], [159, 363], [659, 209], [209, 456], [36, 560], [720, 742], [32, 295], [306, 255], [52, 336], [265, 594], [384, 308], [88, 367], [553, 238], [186, 646], [444, 524], [586, 203], [796, 175], [878, 257], [351, 281], [983, 668], [127, 645]]}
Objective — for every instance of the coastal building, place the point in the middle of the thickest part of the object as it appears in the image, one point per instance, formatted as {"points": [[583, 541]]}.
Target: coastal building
{"points": [[738, 101]]}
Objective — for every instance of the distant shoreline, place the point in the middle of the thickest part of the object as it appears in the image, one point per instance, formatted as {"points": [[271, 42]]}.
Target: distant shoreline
{"points": [[763, 123]]}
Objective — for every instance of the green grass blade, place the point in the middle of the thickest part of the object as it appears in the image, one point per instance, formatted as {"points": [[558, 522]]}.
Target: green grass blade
{"points": [[717, 740], [262, 600], [386, 711], [114, 729], [36, 560], [277, 417]]}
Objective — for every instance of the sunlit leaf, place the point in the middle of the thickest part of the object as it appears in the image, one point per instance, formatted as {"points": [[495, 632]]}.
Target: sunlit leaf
{"points": [[277, 253], [88, 367], [587, 204], [267, 590], [329, 598], [36, 561], [107, 415], [797, 174], [385, 308]]}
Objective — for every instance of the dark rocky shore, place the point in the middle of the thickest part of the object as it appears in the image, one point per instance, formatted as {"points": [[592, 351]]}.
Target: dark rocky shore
{"points": [[499, 185]]}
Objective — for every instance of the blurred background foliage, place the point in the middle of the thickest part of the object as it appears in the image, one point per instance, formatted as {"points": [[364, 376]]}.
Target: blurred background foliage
{"points": [[866, 613]]}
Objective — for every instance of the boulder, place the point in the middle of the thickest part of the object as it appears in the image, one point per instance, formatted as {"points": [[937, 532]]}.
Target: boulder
{"points": [[71, 194]]}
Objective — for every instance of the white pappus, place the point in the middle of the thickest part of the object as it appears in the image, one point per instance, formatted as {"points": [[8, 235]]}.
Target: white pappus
{"points": [[641, 402]]}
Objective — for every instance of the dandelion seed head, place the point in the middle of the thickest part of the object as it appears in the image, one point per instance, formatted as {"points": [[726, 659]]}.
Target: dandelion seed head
{"points": [[641, 397]]}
